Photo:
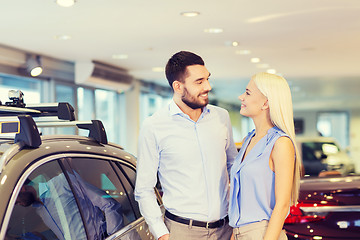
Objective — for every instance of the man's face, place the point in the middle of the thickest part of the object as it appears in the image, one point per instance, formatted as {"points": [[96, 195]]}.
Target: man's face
{"points": [[196, 86]]}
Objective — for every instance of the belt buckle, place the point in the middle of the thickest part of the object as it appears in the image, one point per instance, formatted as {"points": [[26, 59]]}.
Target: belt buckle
{"points": [[207, 225]]}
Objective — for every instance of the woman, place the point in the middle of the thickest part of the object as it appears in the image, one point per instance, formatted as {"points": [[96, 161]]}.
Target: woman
{"points": [[265, 175]]}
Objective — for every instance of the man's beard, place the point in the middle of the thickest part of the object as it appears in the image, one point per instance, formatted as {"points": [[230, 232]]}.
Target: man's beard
{"points": [[191, 101]]}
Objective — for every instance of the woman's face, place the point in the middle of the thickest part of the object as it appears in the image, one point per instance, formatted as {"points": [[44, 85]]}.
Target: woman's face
{"points": [[253, 102]]}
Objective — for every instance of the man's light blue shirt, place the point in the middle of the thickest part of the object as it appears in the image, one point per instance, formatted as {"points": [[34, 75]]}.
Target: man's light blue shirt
{"points": [[193, 160]]}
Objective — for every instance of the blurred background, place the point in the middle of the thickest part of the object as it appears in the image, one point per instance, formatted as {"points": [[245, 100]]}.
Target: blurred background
{"points": [[107, 59]]}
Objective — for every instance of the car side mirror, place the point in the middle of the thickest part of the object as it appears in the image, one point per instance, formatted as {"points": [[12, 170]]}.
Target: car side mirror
{"points": [[323, 156]]}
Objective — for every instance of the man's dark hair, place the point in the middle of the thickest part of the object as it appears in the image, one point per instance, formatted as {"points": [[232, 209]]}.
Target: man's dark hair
{"points": [[176, 66]]}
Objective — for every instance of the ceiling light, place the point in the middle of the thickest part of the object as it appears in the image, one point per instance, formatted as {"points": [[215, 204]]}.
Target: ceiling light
{"points": [[243, 52], [231, 43], [65, 3], [33, 65], [62, 37], [120, 56], [213, 30], [262, 65], [255, 60], [271, 70], [158, 69], [190, 14]]}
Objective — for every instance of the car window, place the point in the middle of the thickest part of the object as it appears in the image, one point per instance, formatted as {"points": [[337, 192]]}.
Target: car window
{"points": [[114, 202], [46, 207], [127, 175], [308, 152]]}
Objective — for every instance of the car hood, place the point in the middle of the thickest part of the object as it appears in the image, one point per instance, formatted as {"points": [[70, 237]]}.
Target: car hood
{"points": [[333, 183], [338, 158], [337, 190]]}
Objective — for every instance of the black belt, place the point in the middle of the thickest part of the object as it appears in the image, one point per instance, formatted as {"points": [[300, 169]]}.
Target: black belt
{"points": [[186, 221]]}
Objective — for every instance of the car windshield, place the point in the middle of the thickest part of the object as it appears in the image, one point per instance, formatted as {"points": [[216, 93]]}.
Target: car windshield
{"points": [[323, 147], [325, 157]]}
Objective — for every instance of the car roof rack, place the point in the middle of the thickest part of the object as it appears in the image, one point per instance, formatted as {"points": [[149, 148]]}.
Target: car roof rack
{"points": [[95, 127], [28, 134], [26, 129], [62, 110]]}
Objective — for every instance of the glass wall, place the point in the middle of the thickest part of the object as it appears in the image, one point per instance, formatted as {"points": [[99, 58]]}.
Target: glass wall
{"points": [[86, 103], [86, 108], [89, 103], [30, 87], [105, 102], [335, 125], [65, 93], [150, 102]]}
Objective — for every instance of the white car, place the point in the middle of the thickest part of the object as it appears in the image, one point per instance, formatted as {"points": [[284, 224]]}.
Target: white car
{"points": [[323, 154]]}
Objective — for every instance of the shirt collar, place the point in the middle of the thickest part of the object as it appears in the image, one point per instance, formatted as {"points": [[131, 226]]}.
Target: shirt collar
{"points": [[43, 188], [174, 109]]}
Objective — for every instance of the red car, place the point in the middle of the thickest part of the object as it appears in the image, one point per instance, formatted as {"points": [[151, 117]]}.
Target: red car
{"points": [[328, 208]]}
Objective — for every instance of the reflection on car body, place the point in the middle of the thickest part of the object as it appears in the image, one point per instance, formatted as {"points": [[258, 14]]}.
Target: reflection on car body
{"points": [[90, 174]]}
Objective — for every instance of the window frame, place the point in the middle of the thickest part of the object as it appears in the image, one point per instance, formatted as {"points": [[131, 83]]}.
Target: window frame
{"points": [[132, 185], [57, 157], [110, 164]]}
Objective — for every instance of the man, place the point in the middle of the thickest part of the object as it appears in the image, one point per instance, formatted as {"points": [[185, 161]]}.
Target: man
{"points": [[189, 144]]}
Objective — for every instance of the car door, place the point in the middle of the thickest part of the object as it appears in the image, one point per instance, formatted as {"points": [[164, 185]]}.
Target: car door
{"points": [[46, 207], [78, 196], [116, 179]]}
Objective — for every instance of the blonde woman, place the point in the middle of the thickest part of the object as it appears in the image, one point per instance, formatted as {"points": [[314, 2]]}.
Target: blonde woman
{"points": [[265, 175]]}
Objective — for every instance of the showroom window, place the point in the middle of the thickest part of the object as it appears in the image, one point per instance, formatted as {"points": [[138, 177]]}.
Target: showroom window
{"points": [[86, 110], [335, 125], [150, 102], [86, 102], [105, 109], [30, 87], [65, 93]]}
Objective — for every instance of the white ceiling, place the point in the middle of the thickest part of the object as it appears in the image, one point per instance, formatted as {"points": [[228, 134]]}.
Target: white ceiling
{"points": [[314, 44]]}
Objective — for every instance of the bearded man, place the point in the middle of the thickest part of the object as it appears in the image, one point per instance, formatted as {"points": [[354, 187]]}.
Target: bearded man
{"points": [[189, 147]]}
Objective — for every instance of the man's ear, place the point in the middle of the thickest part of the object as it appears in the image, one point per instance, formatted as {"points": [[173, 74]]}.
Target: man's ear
{"points": [[177, 86]]}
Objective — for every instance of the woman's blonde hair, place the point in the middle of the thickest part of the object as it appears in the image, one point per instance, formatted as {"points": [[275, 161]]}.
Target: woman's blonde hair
{"points": [[277, 91]]}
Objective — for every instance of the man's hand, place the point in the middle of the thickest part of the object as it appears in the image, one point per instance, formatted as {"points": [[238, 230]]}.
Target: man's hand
{"points": [[164, 237]]}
